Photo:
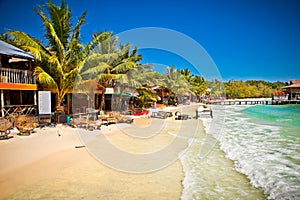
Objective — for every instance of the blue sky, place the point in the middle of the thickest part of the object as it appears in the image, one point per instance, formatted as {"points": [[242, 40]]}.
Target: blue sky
{"points": [[247, 39]]}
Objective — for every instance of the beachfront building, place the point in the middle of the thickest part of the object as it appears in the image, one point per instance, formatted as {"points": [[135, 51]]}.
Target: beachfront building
{"points": [[292, 88], [166, 96], [18, 87], [280, 96]]}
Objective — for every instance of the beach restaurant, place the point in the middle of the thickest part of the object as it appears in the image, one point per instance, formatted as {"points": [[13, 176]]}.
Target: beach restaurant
{"points": [[18, 87], [293, 89]]}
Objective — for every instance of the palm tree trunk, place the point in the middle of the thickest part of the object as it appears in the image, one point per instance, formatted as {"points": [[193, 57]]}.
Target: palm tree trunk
{"points": [[58, 109], [102, 104]]}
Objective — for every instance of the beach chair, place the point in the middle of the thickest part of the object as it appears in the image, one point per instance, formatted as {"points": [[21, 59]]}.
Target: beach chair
{"points": [[180, 116], [159, 114], [5, 126], [25, 125], [124, 119], [86, 121], [107, 118], [93, 122]]}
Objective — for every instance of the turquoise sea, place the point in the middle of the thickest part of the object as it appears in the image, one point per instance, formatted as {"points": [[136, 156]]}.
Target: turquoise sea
{"points": [[256, 155]]}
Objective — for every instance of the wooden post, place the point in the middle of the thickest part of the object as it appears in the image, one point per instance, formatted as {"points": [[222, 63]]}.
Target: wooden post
{"points": [[2, 103], [21, 99], [96, 100], [68, 103], [35, 101]]}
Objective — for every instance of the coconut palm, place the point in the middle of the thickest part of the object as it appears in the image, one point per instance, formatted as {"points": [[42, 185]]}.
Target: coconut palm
{"points": [[109, 63], [186, 73], [146, 96], [217, 88], [176, 82], [59, 60], [199, 85]]}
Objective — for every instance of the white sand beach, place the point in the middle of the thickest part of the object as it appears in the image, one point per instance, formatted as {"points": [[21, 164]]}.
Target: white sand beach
{"points": [[46, 165]]}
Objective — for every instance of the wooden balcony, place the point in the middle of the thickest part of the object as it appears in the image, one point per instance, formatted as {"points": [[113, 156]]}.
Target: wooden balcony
{"points": [[16, 79]]}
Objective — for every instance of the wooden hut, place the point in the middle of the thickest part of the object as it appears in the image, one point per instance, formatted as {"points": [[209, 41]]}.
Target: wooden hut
{"points": [[292, 88]]}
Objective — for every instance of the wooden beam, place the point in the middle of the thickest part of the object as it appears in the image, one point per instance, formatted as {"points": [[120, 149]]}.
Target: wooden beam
{"points": [[2, 102]]}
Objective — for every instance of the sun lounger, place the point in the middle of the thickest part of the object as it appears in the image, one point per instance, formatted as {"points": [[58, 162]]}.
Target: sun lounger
{"points": [[180, 116], [203, 112], [161, 114], [124, 119]]}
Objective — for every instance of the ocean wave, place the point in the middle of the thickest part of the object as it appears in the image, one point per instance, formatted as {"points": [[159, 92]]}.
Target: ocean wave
{"points": [[213, 176], [260, 152]]}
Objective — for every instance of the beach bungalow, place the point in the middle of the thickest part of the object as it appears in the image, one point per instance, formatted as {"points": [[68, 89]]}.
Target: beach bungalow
{"points": [[293, 89], [167, 97], [280, 96], [18, 87]]}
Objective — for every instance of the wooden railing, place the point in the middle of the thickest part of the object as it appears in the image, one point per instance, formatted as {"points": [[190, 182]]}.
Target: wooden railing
{"points": [[8, 75], [8, 110]]}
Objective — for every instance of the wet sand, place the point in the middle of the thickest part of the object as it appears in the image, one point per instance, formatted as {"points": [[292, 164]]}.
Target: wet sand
{"points": [[45, 165]]}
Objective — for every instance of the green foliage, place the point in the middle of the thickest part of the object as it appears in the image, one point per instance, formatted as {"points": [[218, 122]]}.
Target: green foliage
{"points": [[176, 82], [251, 88], [146, 96], [215, 88], [57, 61], [199, 85], [110, 64]]}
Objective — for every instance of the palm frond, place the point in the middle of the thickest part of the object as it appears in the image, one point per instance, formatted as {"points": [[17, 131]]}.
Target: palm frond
{"points": [[124, 67], [45, 78], [58, 68], [93, 71], [28, 43], [74, 44], [97, 39], [60, 19], [51, 35]]}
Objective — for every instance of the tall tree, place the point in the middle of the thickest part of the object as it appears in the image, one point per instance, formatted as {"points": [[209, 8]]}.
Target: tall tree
{"points": [[109, 63], [176, 82], [59, 59], [186, 73], [199, 85]]}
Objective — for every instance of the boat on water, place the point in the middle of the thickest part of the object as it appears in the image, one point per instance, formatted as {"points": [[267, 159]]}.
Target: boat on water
{"points": [[203, 111]]}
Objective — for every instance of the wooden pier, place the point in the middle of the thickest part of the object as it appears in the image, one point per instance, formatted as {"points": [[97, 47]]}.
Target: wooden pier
{"points": [[265, 101]]}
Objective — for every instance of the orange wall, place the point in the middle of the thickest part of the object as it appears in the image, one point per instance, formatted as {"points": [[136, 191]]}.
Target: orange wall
{"points": [[15, 86]]}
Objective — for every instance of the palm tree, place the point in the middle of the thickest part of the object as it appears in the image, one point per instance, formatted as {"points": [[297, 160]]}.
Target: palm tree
{"points": [[186, 73], [177, 83], [58, 61], [217, 88], [146, 96], [109, 63], [199, 85]]}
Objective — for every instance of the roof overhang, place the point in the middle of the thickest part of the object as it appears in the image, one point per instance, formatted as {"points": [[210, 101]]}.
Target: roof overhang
{"points": [[12, 51], [292, 86]]}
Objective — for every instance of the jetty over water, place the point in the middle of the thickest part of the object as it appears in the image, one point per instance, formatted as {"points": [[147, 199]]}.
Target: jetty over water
{"points": [[266, 101]]}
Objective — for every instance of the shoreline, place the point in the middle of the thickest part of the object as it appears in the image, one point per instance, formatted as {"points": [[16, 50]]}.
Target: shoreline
{"points": [[45, 165]]}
